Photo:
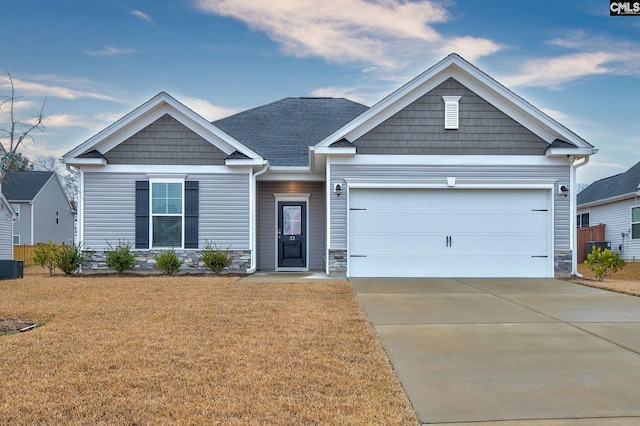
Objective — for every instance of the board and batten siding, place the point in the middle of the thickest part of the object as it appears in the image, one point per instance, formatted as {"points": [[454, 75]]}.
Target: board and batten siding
{"points": [[6, 233], [617, 219], [109, 209], [267, 225], [424, 173]]}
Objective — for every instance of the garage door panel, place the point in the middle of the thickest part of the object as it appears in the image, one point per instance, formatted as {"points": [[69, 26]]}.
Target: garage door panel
{"points": [[417, 232]]}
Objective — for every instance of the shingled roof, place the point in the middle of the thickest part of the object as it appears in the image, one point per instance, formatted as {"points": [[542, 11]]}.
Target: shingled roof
{"points": [[613, 186], [283, 131], [24, 186]]}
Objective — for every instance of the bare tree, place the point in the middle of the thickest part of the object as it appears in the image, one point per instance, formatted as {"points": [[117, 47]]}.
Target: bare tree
{"points": [[68, 177], [13, 130]]}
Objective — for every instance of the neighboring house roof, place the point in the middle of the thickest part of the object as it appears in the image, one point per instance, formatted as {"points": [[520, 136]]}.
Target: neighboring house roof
{"points": [[561, 140], [90, 152], [283, 131], [24, 186], [615, 187]]}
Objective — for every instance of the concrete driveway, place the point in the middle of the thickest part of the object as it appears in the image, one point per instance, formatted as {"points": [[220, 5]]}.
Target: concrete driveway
{"points": [[512, 351]]}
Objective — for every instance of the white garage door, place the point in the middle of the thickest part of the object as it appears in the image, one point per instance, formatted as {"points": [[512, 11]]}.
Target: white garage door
{"points": [[449, 233]]}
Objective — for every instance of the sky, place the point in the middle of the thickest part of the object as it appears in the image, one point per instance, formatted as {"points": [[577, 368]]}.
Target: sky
{"points": [[91, 62]]}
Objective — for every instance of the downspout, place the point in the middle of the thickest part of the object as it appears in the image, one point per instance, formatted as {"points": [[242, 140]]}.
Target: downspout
{"points": [[253, 219], [574, 211]]}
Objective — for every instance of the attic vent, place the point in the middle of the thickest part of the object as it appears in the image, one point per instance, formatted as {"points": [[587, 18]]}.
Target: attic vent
{"points": [[451, 111]]}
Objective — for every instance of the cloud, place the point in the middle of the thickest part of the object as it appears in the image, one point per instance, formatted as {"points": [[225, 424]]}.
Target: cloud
{"points": [[142, 15], [587, 55], [67, 120], [363, 95], [384, 35], [111, 51], [208, 110], [57, 91]]}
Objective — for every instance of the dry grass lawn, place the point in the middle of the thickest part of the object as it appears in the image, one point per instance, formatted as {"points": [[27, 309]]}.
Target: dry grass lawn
{"points": [[192, 350], [626, 280]]}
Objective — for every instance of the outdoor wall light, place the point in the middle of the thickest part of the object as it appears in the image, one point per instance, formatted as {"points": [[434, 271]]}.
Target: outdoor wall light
{"points": [[337, 188], [563, 190]]}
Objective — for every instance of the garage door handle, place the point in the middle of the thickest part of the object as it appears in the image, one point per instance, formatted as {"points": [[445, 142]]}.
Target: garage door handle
{"points": [[358, 255], [448, 241]]}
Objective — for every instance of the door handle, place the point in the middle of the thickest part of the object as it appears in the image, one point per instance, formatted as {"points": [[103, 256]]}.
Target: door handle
{"points": [[450, 241]]}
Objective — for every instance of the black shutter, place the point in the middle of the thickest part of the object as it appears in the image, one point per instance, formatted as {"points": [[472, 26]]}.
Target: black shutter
{"points": [[142, 214], [191, 209]]}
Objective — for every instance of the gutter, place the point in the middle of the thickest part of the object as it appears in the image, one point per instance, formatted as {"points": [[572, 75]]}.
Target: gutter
{"points": [[574, 212], [253, 219]]}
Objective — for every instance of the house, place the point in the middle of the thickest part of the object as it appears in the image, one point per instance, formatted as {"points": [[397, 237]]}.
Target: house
{"points": [[7, 216], [615, 202], [42, 208], [450, 175]]}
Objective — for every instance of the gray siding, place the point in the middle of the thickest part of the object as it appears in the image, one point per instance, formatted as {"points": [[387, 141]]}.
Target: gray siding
{"points": [[22, 226], [166, 142], [267, 221], [419, 129], [51, 199], [6, 233], [617, 219], [416, 173], [109, 201]]}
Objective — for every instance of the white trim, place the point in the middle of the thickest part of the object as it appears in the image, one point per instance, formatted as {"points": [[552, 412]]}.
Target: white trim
{"points": [[327, 213], [168, 169], [151, 214], [442, 183], [609, 200], [452, 160], [296, 198]]}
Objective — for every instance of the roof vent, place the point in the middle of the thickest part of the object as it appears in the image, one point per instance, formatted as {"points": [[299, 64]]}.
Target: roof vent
{"points": [[451, 111]]}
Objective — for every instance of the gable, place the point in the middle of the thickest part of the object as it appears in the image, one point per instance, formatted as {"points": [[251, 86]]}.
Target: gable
{"points": [[419, 129], [611, 188], [166, 141]]}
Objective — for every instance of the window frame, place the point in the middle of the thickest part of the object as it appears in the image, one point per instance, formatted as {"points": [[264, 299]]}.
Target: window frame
{"points": [[580, 220], [152, 215], [14, 240], [637, 223], [17, 212]]}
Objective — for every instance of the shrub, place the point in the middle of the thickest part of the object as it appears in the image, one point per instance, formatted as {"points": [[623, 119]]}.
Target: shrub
{"points": [[168, 262], [46, 255], [214, 258], [70, 258], [603, 263], [120, 258]]}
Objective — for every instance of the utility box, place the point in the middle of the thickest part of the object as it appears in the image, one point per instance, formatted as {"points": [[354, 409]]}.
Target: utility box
{"points": [[591, 244], [11, 269]]}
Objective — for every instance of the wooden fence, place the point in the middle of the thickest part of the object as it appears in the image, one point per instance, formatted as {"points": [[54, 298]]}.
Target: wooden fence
{"points": [[590, 233], [24, 253]]}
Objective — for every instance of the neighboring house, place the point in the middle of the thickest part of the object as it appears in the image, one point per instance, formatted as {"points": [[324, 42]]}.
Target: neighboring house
{"points": [[43, 210], [450, 175], [615, 202], [7, 216]]}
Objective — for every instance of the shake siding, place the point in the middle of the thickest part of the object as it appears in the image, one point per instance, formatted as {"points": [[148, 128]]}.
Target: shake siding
{"points": [[419, 129], [168, 142], [617, 219], [109, 201], [6, 234], [417, 173], [267, 225]]}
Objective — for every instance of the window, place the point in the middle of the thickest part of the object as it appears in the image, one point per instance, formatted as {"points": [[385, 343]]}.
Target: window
{"points": [[16, 240], [583, 220], [166, 214], [16, 208], [635, 223], [57, 217]]}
